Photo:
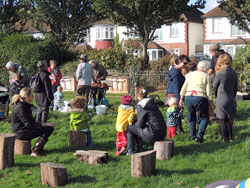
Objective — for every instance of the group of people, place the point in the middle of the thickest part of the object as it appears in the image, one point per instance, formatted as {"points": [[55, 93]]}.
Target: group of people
{"points": [[22, 122], [195, 88]]}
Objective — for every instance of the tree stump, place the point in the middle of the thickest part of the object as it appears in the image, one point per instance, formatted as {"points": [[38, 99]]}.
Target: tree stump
{"points": [[164, 149], [53, 174], [92, 156], [76, 139], [7, 141], [22, 147], [143, 164]]}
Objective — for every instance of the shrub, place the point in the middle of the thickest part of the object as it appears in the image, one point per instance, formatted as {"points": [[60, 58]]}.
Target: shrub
{"points": [[27, 50], [162, 64], [241, 64]]}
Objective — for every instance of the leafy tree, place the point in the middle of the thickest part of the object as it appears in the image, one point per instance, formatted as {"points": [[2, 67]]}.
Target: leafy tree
{"points": [[68, 19], [144, 16], [239, 12]]}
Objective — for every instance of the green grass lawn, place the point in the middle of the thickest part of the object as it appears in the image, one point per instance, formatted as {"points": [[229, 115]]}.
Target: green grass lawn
{"points": [[193, 165]]}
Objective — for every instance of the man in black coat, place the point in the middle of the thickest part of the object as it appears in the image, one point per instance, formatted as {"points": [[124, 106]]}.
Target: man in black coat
{"points": [[44, 97]]}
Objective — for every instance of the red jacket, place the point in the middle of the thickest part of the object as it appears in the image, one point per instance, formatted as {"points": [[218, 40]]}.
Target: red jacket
{"points": [[58, 76]]}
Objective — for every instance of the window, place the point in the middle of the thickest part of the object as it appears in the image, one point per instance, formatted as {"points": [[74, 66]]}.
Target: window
{"points": [[175, 51], [155, 54], [229, 49], [160, 54], [158, 34], [105, 33], [217, 25], [237, 32], [131, 34], [174, 30]]}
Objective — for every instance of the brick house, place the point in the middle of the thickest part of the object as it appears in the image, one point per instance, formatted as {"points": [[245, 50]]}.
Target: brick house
{"points": [[217, 28], [184, 37]]}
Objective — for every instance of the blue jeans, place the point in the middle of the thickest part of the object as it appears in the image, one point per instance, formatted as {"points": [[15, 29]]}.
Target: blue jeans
{"points": [[196, 104]]}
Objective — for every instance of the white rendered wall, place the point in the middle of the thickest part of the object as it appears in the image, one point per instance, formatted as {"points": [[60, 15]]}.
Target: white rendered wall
{"points": [[195, 32], [167, 37]]}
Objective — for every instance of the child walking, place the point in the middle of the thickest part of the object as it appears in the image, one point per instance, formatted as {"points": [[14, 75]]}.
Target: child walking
{"points": [[58, 96], [79, 117], [125, 117], [174, 114]]}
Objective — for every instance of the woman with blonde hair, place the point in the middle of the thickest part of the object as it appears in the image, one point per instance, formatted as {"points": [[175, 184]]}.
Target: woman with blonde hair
{"points": [[225, 85], [24, 125]]}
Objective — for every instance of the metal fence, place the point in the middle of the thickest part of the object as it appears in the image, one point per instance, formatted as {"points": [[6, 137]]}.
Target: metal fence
{"points": [[156, 79]]}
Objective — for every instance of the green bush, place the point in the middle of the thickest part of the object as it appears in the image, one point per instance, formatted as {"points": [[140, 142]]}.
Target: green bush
{"points": [[161, 64], [241, 64], [26, 50]]}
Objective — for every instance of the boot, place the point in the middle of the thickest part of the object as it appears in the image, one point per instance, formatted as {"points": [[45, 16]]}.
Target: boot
{"points": [[139, 144], [131, 144], [36, 150]]}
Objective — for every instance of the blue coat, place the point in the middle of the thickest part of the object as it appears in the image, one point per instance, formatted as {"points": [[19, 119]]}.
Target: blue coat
{"points": [[175, 82]]}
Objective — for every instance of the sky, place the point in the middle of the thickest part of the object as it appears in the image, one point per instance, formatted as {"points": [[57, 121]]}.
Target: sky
{"points": [[210, 4]]}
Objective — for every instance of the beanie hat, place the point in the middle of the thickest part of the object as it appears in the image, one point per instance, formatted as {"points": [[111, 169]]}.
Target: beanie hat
{"points": [[126, 99], [214, 47]]}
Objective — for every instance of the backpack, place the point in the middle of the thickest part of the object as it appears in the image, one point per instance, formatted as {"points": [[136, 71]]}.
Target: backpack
{"points": [[35, 83]]}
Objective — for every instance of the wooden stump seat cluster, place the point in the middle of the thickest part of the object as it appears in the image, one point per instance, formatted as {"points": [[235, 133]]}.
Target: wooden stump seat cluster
{"points": [[92, 156], [7, 141], [53, 174], [76, 139]]}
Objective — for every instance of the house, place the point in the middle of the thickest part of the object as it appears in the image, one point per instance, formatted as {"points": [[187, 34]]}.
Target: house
{"points": [[29, 29], [217, 28], [183, 37]]}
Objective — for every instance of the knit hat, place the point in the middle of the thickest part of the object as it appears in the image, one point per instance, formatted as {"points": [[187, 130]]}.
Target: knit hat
{"points": [[10, 64], [126, 99], [214, 47]]}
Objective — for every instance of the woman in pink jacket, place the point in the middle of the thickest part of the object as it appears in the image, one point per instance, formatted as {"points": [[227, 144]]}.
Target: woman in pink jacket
{"points": [[55, 76]]}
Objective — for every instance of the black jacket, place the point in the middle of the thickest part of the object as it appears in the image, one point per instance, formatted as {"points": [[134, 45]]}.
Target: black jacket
{"points": [[21, 118], [150, 120], [45, 96]]}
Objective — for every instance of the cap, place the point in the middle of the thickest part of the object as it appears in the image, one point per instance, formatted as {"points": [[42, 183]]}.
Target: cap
{"points": [[214, 47], [83, 56]]}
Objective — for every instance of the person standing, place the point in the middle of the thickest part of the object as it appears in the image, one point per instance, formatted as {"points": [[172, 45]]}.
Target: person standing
{"points": [[18, 72], [55, 76], [100, 73], [44, 98], [197, 91], [215, 50], [226, 84], [84, 74]]}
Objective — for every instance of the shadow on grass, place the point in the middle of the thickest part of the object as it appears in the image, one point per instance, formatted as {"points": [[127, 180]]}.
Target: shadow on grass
{"points": [[82, 179], [26, 165], [242, 114], [187, 171]]}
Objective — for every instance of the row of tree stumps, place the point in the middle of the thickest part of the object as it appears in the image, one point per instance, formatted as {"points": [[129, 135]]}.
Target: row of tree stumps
{"points": [[53, 174]]}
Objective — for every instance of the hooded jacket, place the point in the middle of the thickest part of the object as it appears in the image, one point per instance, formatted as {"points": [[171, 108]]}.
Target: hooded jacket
{"points": [[150, 122], [125, 117], [79, 121]]}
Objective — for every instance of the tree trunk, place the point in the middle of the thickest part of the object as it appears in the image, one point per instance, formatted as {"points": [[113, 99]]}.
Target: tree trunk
{"points": [[144, 52], [22, 147], [76, 139], [53, 174], [164, 149], [143, 164], [92, 156], [7, 141]]}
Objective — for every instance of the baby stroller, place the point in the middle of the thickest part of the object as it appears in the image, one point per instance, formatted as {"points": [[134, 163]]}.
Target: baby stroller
{"points": [[4, 103]]}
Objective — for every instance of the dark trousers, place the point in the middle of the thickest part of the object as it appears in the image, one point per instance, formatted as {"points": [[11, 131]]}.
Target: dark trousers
{"points": [[42, 114], [100, 95], [44, 132], [226, 128], [83, 90]]}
